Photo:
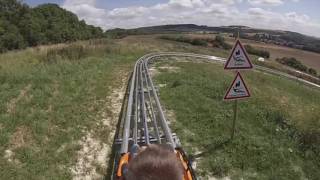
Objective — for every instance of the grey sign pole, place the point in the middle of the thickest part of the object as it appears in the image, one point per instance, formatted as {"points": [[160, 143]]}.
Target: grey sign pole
{"points": [[235, 116]]}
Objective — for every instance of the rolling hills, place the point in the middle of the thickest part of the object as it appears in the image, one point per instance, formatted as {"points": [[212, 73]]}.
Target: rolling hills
{"points": [[284, 38]]}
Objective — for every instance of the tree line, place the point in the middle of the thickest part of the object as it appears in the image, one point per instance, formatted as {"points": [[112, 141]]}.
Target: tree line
{"points": [[218, 41], [22, 26]]}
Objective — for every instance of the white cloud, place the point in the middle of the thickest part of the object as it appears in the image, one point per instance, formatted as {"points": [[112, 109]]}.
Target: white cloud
{"points": [[186, 3], [270, 2], [79, 2], [265, 2], [87, 10], [297, 17], [202, 12]]}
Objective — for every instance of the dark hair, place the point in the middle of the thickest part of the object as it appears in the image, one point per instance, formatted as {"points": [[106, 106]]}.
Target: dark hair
{"points": [[156, 162]]}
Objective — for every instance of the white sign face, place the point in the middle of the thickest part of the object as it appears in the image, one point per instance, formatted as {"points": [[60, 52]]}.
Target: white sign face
{"points": [[238, 89], [239, 58]]}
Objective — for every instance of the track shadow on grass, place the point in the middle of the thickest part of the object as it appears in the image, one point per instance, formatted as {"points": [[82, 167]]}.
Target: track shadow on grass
{"points": [[115, 147], [209, 149]]}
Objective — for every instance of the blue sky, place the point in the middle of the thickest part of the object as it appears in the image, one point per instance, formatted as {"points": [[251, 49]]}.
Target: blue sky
{"points": [[296, 15]]}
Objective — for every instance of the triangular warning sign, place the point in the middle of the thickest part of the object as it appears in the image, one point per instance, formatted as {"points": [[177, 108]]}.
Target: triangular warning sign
{"points": [[238, 89], [239, 58]]}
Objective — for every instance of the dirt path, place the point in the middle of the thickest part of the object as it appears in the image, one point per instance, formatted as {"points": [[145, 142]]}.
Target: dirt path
{"points": [[93, 157]]}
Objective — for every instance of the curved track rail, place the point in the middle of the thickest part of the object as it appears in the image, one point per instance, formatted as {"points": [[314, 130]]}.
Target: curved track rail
{"points": [[144, 121]]}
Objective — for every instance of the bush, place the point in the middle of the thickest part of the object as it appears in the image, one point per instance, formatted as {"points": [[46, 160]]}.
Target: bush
{"points": [[310, 140], [293, 62], [117, 33], [199, 42], [261, 53], [217, 42], [184, 39], [312, 72], [176, 84], [221, 42]]}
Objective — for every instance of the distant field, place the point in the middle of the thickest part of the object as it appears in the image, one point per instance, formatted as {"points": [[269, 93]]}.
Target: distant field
{"points": [[278, 130], [310, 59]]}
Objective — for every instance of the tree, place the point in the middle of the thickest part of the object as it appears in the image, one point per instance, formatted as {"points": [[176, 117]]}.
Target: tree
{"points": [[22, 26], [11, 39]]}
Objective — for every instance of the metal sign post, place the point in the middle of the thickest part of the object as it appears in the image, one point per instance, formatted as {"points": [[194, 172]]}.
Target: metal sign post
{"points": [[235, 116], [237, 90], [238, 60]]}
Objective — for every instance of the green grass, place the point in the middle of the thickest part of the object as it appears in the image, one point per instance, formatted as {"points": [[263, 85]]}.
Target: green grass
{"points": [[273, 127], [52, 96], [45, 105]]}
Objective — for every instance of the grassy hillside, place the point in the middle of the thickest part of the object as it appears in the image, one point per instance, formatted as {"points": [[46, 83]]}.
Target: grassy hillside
{"points": [[277, 135], [53, 101], [59, 105]]}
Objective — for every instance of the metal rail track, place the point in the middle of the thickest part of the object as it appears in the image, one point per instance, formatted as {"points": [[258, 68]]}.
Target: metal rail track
{"points": [[144, 121]]}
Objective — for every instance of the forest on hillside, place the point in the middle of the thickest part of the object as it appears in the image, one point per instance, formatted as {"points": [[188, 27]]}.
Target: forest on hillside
{"points": [[22, 26]]}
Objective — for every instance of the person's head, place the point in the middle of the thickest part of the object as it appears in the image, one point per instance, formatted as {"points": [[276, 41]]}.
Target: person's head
{"points": [[156, 162]]}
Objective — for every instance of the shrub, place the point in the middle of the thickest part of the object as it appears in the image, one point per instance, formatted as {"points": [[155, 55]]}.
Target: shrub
{"points": [[176, 84], [312, 72], [258, 52], [293, 62], [217, 42], [221, 42], [310, 140], [184, 39], [199, 42]]}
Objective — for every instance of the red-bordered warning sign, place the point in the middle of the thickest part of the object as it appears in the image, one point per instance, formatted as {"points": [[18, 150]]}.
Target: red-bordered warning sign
{"points": [[238, 58], [238, 89]]}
